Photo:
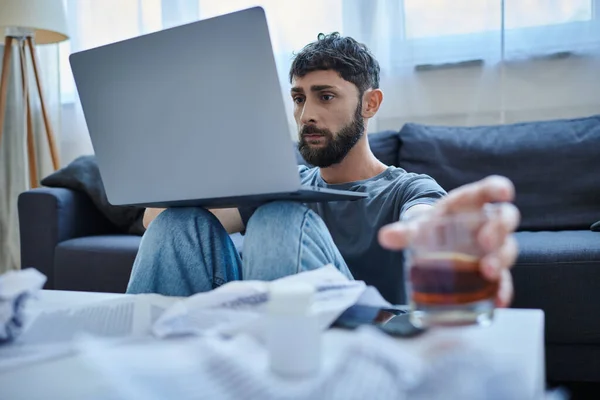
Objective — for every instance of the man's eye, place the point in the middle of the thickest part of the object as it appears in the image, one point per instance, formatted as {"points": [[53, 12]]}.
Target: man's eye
{"points": [[298, 100], [327, 97]]}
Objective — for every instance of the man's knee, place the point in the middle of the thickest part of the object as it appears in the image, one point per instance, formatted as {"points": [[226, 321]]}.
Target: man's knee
{"points": [[284, 238], [182, 217], [281, 221], [278, 213]]}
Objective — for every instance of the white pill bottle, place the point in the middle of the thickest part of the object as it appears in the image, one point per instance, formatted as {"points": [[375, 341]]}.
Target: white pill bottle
{"points": [[293, 335]]}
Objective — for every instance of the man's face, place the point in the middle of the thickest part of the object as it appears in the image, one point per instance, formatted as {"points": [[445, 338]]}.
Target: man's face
{"points": [[327, 110]]}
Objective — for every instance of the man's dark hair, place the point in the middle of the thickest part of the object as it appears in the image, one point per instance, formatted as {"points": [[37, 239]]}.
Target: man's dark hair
{"points": [[352, 60]]}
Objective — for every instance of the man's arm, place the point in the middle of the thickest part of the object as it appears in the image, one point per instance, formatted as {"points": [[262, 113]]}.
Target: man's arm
{"points": [[230, 218], [416, 210]]}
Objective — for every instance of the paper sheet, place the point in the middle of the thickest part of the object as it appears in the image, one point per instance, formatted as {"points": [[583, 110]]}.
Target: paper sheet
{"points": [[239, 306], [52, 333]]}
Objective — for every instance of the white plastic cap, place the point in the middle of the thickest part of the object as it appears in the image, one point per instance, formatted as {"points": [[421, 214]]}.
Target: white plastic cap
{"points": [[290, 298]]}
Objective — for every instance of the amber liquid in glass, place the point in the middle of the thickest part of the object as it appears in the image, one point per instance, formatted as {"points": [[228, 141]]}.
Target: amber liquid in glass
{"points": [[449, 278]]}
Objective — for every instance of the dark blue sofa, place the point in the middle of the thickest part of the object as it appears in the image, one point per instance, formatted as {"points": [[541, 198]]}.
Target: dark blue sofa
{"points": [[556, 169]]}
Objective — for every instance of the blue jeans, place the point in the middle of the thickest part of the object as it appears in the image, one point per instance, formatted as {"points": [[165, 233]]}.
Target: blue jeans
{"points": [[187, 250]]}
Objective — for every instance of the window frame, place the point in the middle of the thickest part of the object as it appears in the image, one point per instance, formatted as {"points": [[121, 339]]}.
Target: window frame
{"points": [[494, 46]]}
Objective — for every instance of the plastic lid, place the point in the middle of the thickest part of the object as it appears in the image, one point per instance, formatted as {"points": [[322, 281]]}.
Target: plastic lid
{"points": [[290, 298]]}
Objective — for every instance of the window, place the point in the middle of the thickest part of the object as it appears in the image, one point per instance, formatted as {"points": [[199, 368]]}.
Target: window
{"points": [[431, 18], [95, 23], [287, 32], [404, 33], [442, 31]]}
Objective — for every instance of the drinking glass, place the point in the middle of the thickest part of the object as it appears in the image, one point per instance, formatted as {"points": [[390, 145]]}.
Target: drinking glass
{"points": [[444, 283]]}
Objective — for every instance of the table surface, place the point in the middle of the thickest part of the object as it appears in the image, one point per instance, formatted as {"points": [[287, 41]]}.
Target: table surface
{"points": [[516, 335]]}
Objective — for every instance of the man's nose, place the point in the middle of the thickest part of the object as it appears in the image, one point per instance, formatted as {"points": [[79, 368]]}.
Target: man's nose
{"points": [[308, 115]]}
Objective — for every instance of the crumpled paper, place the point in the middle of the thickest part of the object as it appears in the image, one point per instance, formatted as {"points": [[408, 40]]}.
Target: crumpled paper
{"points": [[16, 287], [239, 306]]}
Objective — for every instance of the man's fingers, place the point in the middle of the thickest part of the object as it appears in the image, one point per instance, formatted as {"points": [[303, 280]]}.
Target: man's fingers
{"points": [[475, 195], [396, 236], [494, 263], [503, 220], [505, 290]]}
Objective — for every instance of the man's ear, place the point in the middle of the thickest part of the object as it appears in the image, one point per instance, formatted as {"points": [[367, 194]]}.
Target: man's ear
{"points": [[372, 100]]}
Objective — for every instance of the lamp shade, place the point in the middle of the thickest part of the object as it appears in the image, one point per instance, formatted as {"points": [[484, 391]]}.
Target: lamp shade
{"points": [[46, 19]]}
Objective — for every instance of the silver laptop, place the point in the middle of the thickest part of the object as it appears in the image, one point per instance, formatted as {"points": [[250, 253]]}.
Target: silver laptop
{"points": [[192, 116]]}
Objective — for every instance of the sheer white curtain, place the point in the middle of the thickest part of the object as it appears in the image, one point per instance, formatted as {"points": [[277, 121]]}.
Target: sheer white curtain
{"points": [[468, 62], [462, 62]]}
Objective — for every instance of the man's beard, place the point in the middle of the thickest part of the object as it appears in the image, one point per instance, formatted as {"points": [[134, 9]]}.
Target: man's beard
{"points": [[336, 147]]}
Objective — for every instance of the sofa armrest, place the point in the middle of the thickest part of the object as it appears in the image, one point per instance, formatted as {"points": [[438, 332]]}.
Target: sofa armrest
{"points": [[48, 216]]}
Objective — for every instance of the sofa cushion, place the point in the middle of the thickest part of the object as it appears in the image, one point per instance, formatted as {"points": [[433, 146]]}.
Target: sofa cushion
{"points": [[547, 161], [559, 272], [95, 263], [385, 145], [101, 263]]}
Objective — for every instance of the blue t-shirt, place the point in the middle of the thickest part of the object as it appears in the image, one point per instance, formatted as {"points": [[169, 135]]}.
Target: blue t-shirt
{"points": [[354, 225]]}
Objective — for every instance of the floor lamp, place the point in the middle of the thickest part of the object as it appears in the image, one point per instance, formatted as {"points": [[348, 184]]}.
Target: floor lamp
{"points": [[27, 23]]}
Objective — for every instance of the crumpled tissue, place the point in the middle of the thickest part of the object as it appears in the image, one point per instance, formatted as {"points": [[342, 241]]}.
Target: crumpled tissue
{"points": [[16, 287]]}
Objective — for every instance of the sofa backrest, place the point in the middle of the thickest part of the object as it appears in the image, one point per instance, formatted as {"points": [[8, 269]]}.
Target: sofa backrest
{"points": [[555, 165]]}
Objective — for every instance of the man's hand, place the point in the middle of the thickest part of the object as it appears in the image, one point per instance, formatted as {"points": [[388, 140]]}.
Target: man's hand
{"points": [[495, 236]]}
